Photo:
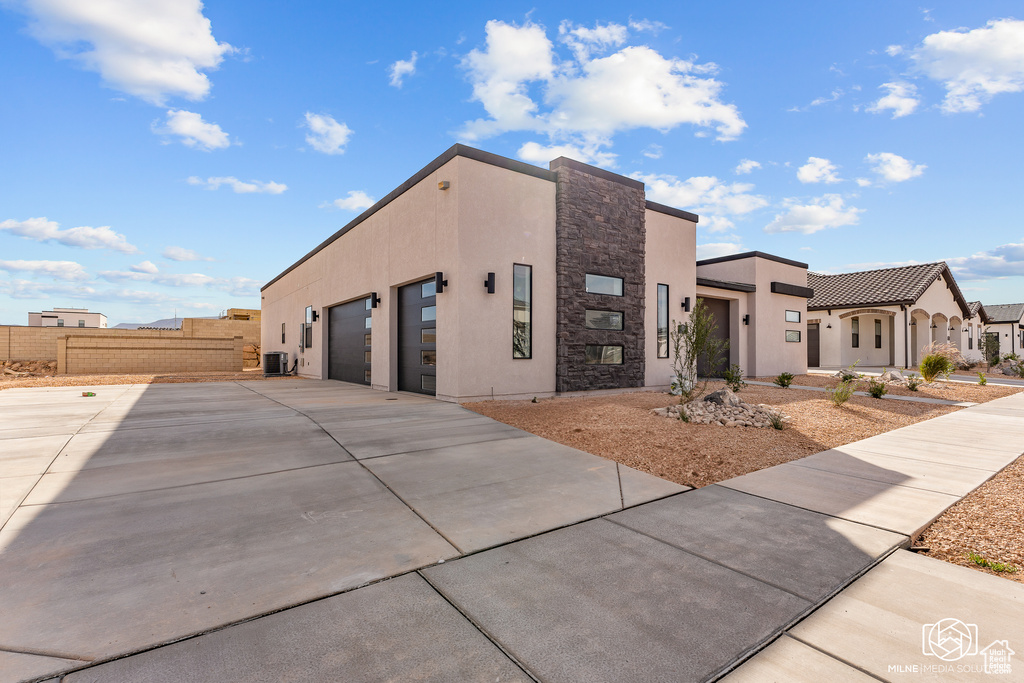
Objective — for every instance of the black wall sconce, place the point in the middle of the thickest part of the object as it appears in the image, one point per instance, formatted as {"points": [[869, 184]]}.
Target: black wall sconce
{"points": [[934, 326], [828, 327], [746, 319], [439, 282], [686, 304], [489, 283], [316, 316], [374, 299]]}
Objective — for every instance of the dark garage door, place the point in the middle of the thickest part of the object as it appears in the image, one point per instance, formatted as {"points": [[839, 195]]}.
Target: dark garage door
{"points": [[719, 308], [814, 346], [417, 334], [348, 342]]}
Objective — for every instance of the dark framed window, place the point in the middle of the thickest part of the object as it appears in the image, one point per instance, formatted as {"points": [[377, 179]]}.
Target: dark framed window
{"points": [[522, 305], [428, 357], [792, 316], [662, 321], [60, 323], [603, 354], [428, 382], [282, 333], [603, 284], [366, 339], [308, 329], [369, 323], [428, 289], [603, 320], [81, 323], [792, 335], [428, 335], [855, 329], [878, 334], [427, 313]]}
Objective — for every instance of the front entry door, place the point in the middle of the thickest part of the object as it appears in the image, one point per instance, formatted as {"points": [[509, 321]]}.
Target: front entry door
{"points": [[719, 309], [417, 338], [814, 345]]}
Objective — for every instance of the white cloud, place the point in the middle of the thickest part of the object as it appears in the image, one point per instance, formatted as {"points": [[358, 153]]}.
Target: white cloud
{"points": [[647, 25], [827, 211], [894, 168], [818, 170], [1006, 260], [974, 65], [653, 152], [240, 187], [902, 99], [43, 230], [58, 270], [833, 96], [716, 249], [238, 286], [153, 49], [894, 50], [588, 153], [182, 254], [572, 104], [356, 200], [325, 134], [862, 182], [715, 201], [746, 166], [400, 69], [145, 267], [27, 289], [193, 131]]}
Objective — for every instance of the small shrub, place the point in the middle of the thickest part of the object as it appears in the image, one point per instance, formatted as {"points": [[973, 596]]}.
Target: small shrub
{"points": [[982, 380], [933, 365], [841, 393], [877, 388], [913, 382], [776, 421], [994, 566], [784, 380], [683, 415], [848, 375], [734, 378], [1010, 357]]}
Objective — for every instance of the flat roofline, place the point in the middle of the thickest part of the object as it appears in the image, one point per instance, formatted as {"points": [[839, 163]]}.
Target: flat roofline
{"points": [[566, 162], [725, 284], [671, 211], [456, 150], [752, 254]]}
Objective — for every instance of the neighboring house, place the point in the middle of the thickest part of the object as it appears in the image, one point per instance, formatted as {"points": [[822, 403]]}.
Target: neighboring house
{"points": [[885, 317], [483, 276], [1007, 322], [67, 317]]}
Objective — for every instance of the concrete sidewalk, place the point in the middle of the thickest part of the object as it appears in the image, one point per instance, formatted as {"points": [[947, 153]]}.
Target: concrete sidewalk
{"points": [[241, 532]]}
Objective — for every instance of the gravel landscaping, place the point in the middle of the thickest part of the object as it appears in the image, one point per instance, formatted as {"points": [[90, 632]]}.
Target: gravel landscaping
{"points": [[950, 391]]}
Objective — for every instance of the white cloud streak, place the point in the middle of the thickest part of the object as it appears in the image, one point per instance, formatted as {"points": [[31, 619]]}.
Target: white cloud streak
{"points": [[193, 131], [182, 254], [1006, 260], [400, 69], [827, 211], [325, 134], [818, 170], [355, 200], [893, 168], [901, 99], [57, 270], [715, 201], [152, 49], [746, 166], [84, 237], [239, 186]]}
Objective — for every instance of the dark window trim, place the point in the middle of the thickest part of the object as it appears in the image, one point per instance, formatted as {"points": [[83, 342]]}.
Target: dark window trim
{"points": [[529, 312], [610, 277], [622, 356], [657, 322], [797, 316], [282, 333], [878, 334], [855, 336], [793, 341], [603, 310]]}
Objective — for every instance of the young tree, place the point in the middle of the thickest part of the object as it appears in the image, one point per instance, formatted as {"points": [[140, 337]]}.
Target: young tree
{"points": [[692, 341]]}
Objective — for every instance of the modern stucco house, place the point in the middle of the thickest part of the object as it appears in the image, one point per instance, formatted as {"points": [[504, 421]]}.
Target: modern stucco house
{"points": [[483, 276], [67, 317], [1006, 321], [885, 317]]}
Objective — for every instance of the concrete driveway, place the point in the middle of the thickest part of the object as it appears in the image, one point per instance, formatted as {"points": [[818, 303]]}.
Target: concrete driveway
{"points": [[296, 530]]}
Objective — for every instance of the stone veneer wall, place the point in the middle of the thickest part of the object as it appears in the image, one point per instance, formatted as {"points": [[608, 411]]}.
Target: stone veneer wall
{"points": [[600, 230]]}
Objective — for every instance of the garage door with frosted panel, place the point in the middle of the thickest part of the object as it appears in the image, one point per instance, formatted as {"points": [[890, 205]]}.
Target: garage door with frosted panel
{"points": [[417, 338], [348, 341]]}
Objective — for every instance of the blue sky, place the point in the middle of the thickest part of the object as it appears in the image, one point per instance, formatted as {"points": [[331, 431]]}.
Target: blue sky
{"points": [[164, 155]]}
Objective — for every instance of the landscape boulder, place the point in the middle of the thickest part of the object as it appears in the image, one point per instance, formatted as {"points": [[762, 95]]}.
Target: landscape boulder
{"points": [[723, 397]]}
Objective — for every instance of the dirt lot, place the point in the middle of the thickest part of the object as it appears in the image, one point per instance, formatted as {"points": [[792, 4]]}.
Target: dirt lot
{"points": [[12, 382], [622, 427]]}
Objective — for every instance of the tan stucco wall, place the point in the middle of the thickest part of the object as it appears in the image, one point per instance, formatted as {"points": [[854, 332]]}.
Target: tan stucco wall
{"points": [[670, 260], [488, 219], [739, 349]]}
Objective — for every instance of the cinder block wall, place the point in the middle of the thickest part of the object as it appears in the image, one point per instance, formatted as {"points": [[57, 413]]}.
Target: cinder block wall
{"points": [[248, 330], [79, 354]]}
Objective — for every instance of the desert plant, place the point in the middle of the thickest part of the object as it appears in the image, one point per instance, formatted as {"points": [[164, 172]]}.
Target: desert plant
{"points": [[1007, 357], [784, 379], [994, 566], [848, 375], [841, 393], [692, 341], [933, 365], [948, 351], [734, 377], [776, 421], [877, 388], [913, 382], [982, 380]]}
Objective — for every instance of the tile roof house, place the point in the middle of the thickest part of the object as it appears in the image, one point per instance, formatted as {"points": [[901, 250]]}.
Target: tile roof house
{"points": [[884, 317], [1006, 324]]}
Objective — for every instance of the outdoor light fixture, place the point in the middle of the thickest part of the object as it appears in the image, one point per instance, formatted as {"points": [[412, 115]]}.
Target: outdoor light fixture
{"points": [[913, 323], [686, 304], [374, 299], [443, 185], [934, 326], [828, 327], [316, 316], [489, 283], [439, 282], [746, 319]]}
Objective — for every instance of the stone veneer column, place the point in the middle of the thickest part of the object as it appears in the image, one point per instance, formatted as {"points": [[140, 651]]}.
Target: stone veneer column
{"points": [[600, 229]]}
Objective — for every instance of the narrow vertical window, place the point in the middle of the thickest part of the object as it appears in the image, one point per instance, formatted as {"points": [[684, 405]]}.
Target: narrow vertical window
{"points": [[855, 328], [282, 333], [308, 329], [878, 334], [522, 295], [662, 321]]}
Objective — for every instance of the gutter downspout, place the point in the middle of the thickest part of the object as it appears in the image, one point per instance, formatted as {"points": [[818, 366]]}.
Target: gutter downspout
{"points": [[906, 338]]}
